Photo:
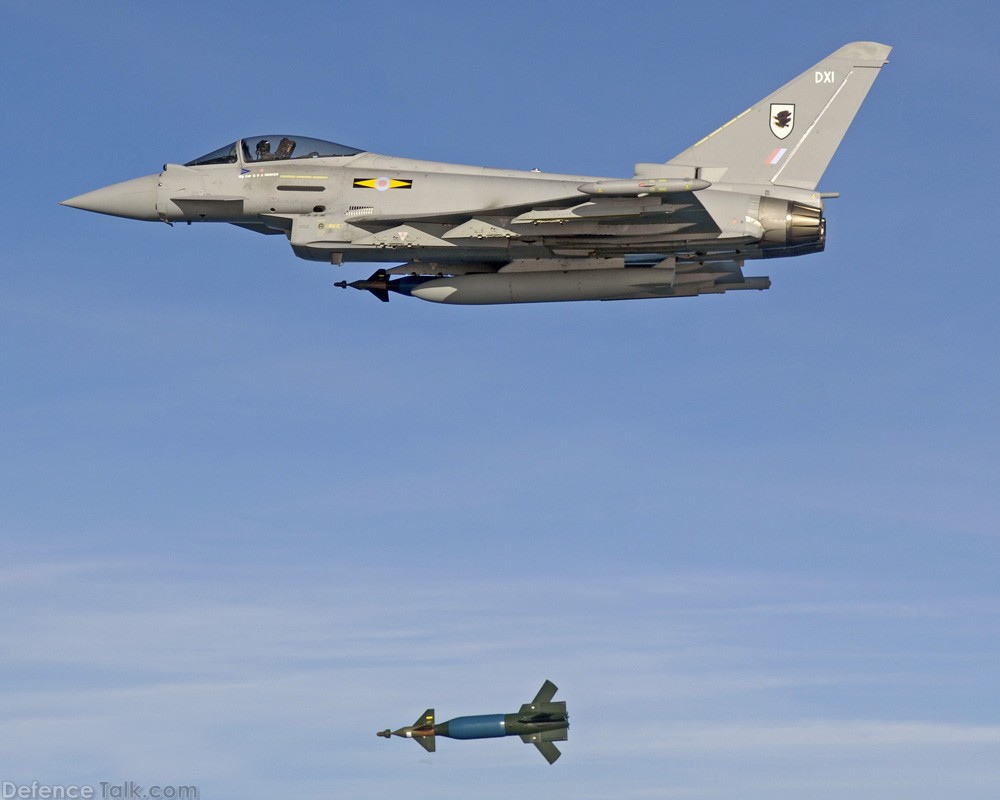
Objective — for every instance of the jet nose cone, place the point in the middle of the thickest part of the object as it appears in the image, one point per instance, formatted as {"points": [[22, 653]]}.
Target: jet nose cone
{"points": [[135, 199]]}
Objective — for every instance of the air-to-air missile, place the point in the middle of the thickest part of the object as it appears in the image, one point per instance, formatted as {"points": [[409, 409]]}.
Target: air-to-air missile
{"points": [[540, 722]]}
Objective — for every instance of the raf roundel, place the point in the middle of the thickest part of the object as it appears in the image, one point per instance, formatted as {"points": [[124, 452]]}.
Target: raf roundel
{"points": [[381, 184]]}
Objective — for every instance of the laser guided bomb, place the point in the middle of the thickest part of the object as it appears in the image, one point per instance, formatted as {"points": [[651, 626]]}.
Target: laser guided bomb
{"points": [[540, 722]]}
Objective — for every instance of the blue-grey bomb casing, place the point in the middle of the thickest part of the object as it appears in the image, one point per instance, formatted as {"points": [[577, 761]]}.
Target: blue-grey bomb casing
{"points": [[540, 722]]}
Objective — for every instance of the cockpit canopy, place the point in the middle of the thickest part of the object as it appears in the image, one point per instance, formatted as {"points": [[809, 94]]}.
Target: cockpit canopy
{"points": [[279, 147]]}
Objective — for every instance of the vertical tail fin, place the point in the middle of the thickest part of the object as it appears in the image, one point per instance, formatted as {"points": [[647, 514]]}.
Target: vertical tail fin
{"points": [[789, 137]]}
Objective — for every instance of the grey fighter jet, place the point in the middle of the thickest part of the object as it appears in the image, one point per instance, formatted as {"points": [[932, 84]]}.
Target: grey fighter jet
{"points": [[474, 235]]}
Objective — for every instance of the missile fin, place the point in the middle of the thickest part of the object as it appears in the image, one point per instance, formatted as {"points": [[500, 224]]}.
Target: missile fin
{"points": [[545, 694], [425, 721], [377, 284], [422, 731], [548, 750]]}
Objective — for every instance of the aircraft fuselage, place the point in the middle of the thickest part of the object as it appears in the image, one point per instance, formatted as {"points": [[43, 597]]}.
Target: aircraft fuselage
{"points": [[472, 235]]}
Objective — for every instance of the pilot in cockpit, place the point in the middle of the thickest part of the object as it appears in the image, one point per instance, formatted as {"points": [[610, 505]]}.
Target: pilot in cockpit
{"points": [[264, 151]]}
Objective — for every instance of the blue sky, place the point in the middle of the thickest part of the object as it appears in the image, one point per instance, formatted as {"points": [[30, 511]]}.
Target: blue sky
{"points": [[247, 519]]}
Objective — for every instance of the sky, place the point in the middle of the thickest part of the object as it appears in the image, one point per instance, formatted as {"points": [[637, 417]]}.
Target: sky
{"points": [[247, 519]]}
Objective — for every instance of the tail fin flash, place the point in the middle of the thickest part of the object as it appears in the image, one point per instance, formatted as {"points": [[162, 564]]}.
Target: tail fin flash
{"points": [[789, 137]]}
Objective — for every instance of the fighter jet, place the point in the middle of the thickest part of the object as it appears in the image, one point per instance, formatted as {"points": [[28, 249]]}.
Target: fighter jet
{"points": [[476, 235], [540, 722]]}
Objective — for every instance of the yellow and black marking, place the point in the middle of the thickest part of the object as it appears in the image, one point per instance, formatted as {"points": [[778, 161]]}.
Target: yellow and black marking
{"points": [[381, 183]]}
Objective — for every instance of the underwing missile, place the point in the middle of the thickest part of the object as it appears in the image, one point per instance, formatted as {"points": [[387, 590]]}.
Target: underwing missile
{"points": [[540, 722], [379, 284]]}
